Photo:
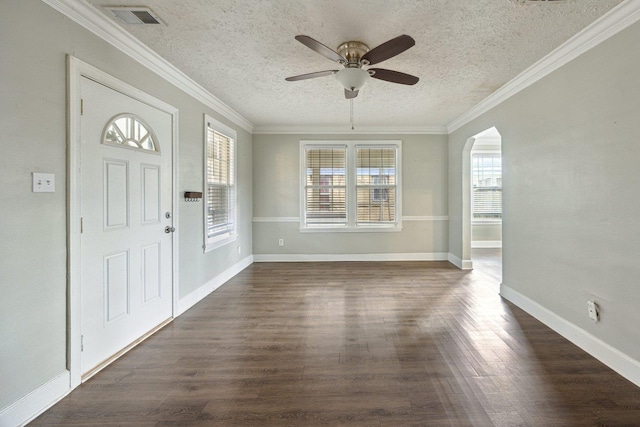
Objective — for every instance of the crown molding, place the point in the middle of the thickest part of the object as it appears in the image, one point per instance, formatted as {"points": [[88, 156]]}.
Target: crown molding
{"points": [[335, 130], [616, 20], [90, 18], [611, 23]]}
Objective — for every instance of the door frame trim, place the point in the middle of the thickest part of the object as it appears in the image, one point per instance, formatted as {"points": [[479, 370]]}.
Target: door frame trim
{"points": [[76, 70]]}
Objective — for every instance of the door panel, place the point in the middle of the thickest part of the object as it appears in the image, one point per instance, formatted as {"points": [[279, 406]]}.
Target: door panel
{"points": [[116, 279], [150, 194], [151, 272], [126, 271], [116, 193]]}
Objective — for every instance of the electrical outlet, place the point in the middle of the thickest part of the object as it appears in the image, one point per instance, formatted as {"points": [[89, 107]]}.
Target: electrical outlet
{"points": [[594, 311], [280, 242], [239, 250]]}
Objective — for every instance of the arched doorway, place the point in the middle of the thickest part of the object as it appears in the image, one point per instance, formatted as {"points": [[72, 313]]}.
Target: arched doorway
{"points": [[482, 196]]}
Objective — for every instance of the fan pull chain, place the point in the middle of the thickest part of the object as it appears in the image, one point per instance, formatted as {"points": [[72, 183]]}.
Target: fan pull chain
{"points": [[352, 128]]}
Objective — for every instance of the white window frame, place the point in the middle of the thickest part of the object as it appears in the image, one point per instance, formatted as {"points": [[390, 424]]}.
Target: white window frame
{"points": [[480, 221], [351, 193], [220, 240]]}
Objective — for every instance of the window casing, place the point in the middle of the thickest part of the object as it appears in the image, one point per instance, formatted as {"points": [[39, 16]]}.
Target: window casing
{"points": [[350, 185], [220, 202], [486, 173]]}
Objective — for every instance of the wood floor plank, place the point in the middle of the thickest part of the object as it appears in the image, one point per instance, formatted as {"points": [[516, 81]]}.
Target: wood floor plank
{"points": [[357, 344]]}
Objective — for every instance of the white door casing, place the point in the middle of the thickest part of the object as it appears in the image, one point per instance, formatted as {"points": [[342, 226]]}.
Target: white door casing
{"points": [[121, 259]]}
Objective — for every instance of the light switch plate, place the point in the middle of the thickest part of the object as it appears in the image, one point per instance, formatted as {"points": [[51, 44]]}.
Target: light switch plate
{"points": [[44, 182]]}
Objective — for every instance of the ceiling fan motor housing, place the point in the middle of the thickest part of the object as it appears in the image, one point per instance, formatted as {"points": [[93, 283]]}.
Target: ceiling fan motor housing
{"points": [[353, 51]]}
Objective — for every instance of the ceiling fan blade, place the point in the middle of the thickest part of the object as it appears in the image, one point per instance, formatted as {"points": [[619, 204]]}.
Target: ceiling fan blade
{"points": [[311, 75], [393, 76], [389, 49], [321, 49], [350, 94]]}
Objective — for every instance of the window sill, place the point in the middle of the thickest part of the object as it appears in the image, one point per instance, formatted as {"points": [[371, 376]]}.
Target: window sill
{"points": [[219, 241]]}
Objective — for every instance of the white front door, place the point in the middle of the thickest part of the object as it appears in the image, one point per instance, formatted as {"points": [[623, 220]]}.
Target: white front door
{"points": [[126, 253]]}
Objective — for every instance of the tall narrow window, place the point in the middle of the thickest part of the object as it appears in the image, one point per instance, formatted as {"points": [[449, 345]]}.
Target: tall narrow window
{"points": [[376, 185], [220, 188], [487, 186], [350, 186], [326, 185]]}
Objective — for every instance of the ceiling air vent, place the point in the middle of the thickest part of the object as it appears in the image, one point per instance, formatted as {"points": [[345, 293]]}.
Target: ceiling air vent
{"points": [[135, 15]]}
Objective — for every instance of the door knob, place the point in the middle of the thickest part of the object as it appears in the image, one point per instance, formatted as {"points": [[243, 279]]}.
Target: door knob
{"points": [[169, 229]]}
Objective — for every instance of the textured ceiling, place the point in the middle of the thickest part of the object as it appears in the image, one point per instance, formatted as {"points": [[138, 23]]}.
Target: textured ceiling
{"points": [[242, 50]]}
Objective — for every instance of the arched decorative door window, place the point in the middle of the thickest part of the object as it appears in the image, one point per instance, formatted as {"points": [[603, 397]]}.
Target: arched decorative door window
{"points": [[128, 130]]}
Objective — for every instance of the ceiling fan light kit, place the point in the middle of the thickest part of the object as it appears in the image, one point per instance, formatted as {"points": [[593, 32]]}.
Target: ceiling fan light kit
{"points": [[352, 78]]}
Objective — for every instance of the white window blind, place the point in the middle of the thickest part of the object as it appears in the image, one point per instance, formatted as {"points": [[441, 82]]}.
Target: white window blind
{"points": [[326, 185], [487, 186], [220, 198], [376, 185]]}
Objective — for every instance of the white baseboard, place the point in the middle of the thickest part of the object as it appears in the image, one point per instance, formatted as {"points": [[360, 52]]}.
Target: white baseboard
{"points": [[35, 403], [437, 256], [194, 297], [610, 356], [466, 264], [486, 244]]}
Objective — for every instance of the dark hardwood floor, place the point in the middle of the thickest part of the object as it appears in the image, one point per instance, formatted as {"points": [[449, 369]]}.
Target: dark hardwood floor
{"points": [[357, 344]]}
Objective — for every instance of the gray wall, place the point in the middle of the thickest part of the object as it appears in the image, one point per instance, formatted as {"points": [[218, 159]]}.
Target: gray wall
{"points": [[490, 232], [276, 194], [34, 42], [570, 160]]}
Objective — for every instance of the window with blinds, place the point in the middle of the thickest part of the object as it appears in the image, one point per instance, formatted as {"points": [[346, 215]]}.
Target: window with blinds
{"points": [[326, 185], [376, 185], [220, 198], [350, 186], [486, 172]]}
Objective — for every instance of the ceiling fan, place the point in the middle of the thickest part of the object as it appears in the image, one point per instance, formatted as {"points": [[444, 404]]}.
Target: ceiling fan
{"points": [[353, 55]]}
